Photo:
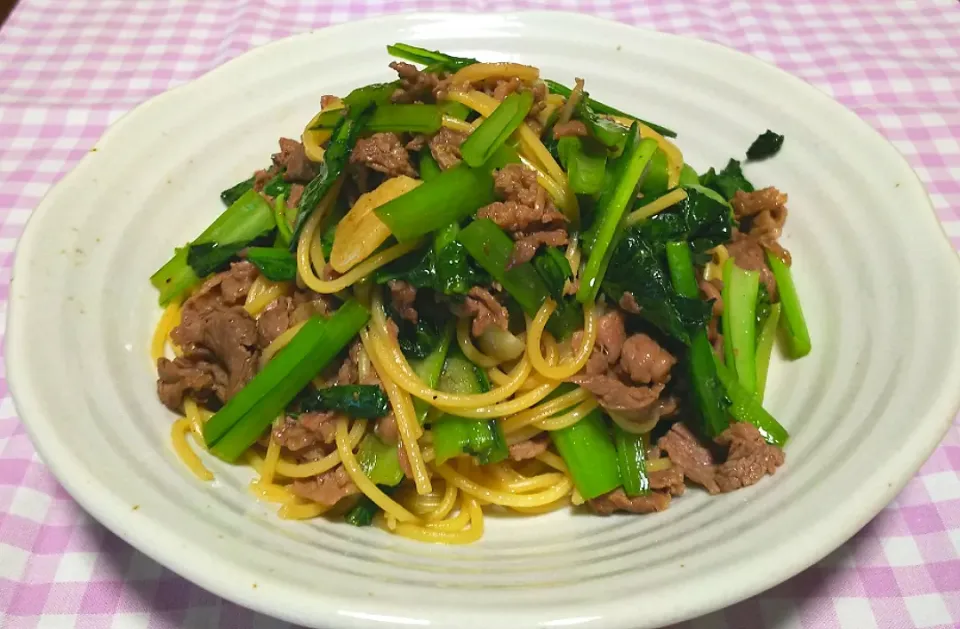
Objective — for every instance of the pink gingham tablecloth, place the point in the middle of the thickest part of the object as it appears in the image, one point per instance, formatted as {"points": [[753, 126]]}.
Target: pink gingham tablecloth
{"points": [[68, 68]]}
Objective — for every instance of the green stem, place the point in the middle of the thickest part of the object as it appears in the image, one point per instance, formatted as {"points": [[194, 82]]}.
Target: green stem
{"points": [[494, 131], [794, 323], [242, 420], [365, 510], [590, 455], [744, 407], [450, 197], [610, 208], [405, 119], [426, 57], [563, 90], [379, 460], [740, 308], [280, 218], [632, 456], [234, 192], [429, 169], [429, 368], [765, 349]]}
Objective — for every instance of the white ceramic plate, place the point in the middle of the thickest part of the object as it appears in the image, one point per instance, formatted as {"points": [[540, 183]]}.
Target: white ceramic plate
{"points": [[880, 285]]}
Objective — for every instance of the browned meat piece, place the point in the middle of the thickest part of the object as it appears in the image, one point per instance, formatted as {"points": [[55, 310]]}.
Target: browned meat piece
{"points": [[181, 377], [228, 288], [347, 373], [569, 128], [417, 142], [686, 453], [751, 203], [748, 253], [610, 335], [294, 159], [526, 205], [749, 458], [485, 310], [531, 448], [327, 99], [628, 303], [387, 428], [327, 488], [296, 191], [227, 336], [711, 291], [445, 147], [385, 153], [501, 88], [645, 361], [306, 431], [526, 245], [274, 320], [402, 296], [417, 86], [613, 395], [261, 177], [670, 480], [617, 500]]}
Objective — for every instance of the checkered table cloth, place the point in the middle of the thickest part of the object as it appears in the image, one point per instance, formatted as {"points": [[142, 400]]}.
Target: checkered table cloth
{"points": [[68, 68]]}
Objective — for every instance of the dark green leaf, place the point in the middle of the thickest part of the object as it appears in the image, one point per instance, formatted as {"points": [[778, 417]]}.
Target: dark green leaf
{"points": [[277, 186], [207, 258], [434, 59], [563, 90], [554, 268], [277, 265], [766, 145], [356, 400], [702, 218], [727, 181], [231, 194]]}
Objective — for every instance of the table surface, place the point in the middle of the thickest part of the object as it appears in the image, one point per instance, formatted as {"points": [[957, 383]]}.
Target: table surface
{"points": [[68, 68]]}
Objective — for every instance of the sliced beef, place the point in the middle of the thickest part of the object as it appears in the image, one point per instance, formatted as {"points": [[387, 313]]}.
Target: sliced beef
{"points": [[628, 303], [569, 128], [669, 480], [689, 456], [525, 246], [611, 335], [617, 500], [749, 457], [385, 153], [531, 448], [183, 377], [748, 253], [402, 296], [327, 488], [417, 85], [261, 177], [445, 147], [752, 203], [613, 395], [387, 428], [218, 339], [294, 159], [485, 310], [307, 431], [645, 361], [712, 291], [274, 320], [296, 191]]}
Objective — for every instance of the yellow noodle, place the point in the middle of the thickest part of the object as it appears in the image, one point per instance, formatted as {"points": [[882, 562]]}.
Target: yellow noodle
{"points": [[522, 434], [568, 419], [456, 523], [535, 332], [525, 485], [557, 100], [465, 536], [270, 492], [291, 469], [279, 343], [270, 460], [575, 498], [561, 197], [302, 510], [445, 506], [363, 483], [545, 410], [658, 205], [553, 461], [714, 269], [547, 508], [168, 320], [270, 292], [469, 349], [493, 496], [483, 71], [509, 407], [407, 424], [456, 124], [197, 417], [658, 465], [358, 272], [178, 435]]}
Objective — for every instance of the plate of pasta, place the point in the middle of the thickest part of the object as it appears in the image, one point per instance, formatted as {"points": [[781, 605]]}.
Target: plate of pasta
{"points": [[449, 320]]}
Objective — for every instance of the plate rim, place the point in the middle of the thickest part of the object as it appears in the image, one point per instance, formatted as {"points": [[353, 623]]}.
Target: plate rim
{"points": [[863, 503]]}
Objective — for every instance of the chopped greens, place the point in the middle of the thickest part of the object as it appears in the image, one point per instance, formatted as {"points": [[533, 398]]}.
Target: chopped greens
{"points": [[766, 145], [366, 401]]}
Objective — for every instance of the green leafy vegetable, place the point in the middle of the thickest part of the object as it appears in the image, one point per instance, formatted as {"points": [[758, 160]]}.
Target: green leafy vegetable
{"points": [[494, 131], [557, 88], [448, 198], [610, 209], [744, 407], [379, 460], [590, 455], [554, 269], [453, 435], [277, 186], [655, 180], [277, 265], [766, 145], [327, 119], [449, 271], [607, 132], [242, 420], [367, 401], [586, 169], [433, 59], [702, 218], [632, 457], [765, 341], [740, 288], [708, 392], [234, 192], [794, 323], [405, 118], [280, 218], [247, 219], [429, 169], [429, 368], [335, 158], [727, 181]]}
